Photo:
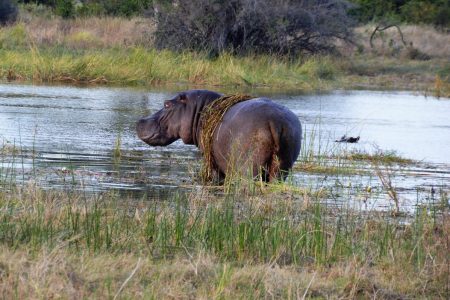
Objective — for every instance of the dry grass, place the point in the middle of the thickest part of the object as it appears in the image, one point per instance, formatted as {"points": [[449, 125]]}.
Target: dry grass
{"points": [[120, 51], [394, 260], [61, 274], [91, 32], [426, 39]]}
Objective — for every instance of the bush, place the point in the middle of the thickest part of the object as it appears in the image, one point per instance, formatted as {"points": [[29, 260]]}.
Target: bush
{"points": [[8, 11], [428, 12], [90, 10], [65, 8], [248, 26], [375, 10], [125, 8], [436, 12]]}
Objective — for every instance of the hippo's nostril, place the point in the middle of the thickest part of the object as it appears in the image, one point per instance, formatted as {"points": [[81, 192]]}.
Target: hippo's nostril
{"points": [[140, 123]]}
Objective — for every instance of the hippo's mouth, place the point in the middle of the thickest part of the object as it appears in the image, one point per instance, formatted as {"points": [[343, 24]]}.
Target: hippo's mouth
{"points": [[149, 138], [152, 134]]}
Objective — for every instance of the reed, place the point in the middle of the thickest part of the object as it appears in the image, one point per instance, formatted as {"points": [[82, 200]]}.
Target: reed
{"points": [[121, 52], [139, 66], [258, 230], [260, 226], [255, 230]]}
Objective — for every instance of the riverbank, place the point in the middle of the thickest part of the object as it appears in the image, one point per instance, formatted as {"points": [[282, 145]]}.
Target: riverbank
{"points": [[277, 243], [242, 240], [37, 51]]}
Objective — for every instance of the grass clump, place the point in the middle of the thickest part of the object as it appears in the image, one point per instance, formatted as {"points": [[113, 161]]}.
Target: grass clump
{"points": [[208, 246], [383, 157], [83, 40], [13, 37], [319, 67]]}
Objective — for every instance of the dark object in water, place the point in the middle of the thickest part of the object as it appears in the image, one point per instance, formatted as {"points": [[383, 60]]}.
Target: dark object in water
{"points": [[345, 139], [256, 134]]}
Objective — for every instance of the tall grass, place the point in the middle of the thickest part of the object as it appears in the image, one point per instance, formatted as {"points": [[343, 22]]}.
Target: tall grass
{"points": [[22, 57], [138, 66], [234, 229], [267, 225], [120, 51]]}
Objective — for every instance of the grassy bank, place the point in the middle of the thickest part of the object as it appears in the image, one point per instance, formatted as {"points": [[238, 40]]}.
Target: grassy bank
{"points": [[240, 245], [120, 52], [243, 240], [138, 66]]}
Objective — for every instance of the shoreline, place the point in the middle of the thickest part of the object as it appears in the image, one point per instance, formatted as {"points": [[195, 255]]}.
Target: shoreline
{"points": [[139, 67]]}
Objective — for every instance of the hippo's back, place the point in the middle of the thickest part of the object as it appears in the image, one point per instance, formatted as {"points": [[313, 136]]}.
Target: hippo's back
{"points": [[262, 127]]}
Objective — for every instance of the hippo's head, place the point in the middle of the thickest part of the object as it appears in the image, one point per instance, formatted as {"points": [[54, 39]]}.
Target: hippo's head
{"points": [[178, 119]]}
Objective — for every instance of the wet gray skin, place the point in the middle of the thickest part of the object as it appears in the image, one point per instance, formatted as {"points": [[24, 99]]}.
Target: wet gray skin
{"points": [[256, 134], [65, 138]]}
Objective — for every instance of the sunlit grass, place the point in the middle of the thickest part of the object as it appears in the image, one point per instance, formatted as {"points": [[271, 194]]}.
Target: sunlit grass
{"points": [[226, 241], [234, 230], [138, 66], [121, 52]]}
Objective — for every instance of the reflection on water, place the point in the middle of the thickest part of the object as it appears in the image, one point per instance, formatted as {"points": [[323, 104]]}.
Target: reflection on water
{"points": [[67, 134]]}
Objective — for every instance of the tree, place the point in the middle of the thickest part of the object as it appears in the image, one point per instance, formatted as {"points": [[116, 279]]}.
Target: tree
{"points": [[65, 8], [252, 26], [436, 12], [8, 11]]}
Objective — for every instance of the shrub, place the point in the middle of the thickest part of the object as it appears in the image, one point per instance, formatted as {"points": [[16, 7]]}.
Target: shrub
{"points": [[125, 8], [90, 10], [8, 11], [65, 8], [248, 26], [436, 12], [428, 12]]}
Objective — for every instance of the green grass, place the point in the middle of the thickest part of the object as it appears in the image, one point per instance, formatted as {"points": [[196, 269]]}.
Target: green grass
{"points": [[138, 66], [384, 157], [83, 55], [244, 240], [233, 229], [236, 230], [20, 60]]}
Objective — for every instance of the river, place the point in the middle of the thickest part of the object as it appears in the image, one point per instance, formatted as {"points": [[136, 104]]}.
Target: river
{"points": [[65, 130]]}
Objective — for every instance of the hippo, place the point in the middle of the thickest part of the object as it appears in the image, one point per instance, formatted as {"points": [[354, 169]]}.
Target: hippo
{"points": [[256, 136]]}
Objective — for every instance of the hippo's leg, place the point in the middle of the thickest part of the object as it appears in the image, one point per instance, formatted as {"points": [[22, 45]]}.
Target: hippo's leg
{"points": [[282, 156], [269, 166]]}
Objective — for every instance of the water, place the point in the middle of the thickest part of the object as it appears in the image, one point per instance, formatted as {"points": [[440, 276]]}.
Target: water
{"points": [[67, 135]]}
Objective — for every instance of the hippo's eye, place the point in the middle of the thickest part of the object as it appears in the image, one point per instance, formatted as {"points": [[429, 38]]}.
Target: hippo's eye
{"points": [[167, 104], [183, 98]]}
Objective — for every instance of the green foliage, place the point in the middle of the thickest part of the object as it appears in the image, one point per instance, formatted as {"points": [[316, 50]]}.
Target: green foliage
{"points": [[368, 10], [429, 12], [436, 12], [125, 8], [90, 10], [65, 8]]}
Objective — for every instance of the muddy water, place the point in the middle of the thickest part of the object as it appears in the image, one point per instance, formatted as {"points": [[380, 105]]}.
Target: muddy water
{"points": [[65, 136]]}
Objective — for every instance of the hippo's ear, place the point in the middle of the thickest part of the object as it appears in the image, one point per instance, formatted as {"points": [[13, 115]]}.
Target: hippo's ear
{"points": [[183, 98]]}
